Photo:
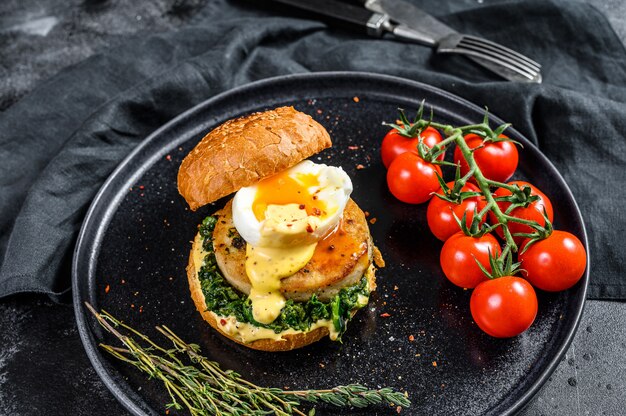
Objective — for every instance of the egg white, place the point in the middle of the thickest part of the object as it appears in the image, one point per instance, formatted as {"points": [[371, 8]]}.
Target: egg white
{"points": [[334, 190]]}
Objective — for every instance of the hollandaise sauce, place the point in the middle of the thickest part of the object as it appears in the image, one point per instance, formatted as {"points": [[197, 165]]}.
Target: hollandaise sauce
{"points": [[265, 267]]}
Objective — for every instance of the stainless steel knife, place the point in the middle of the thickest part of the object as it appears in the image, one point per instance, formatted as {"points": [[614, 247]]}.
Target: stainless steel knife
{"points": [[406, 22]]}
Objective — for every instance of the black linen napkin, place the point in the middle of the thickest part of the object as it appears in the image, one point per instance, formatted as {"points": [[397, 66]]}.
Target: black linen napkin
{"points": [[59, 143]]}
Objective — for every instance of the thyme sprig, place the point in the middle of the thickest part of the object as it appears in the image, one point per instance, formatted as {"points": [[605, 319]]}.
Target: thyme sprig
{"points": [[204, 388]]}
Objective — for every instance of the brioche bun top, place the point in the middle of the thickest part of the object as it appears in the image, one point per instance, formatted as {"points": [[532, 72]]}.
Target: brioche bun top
{"points": [[244, 150]]}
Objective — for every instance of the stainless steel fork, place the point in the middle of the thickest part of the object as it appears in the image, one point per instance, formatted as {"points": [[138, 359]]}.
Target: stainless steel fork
{"points": [[492, 53], [407, 22]]}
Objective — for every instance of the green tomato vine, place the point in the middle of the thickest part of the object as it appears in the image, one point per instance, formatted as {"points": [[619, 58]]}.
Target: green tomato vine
{"points": [[520, 196]]}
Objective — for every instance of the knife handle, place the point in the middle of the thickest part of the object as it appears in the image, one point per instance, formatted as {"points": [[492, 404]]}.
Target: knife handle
{"points": [[344, 14]]}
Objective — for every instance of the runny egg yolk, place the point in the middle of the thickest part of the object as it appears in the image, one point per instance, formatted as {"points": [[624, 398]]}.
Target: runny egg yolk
{"points": [[283, 189], [286, 204]]}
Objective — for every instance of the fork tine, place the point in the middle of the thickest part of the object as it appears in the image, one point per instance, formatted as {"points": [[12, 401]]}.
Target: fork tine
{"points": [[525, 72], [499, 53], [496, 57], [497, 47]]}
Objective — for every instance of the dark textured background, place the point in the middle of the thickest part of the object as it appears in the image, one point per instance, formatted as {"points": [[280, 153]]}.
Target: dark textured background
{"points": [[43, 369]]}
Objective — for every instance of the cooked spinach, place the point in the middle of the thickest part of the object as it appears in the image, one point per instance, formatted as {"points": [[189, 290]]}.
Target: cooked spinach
{"points": [[224, 300]]}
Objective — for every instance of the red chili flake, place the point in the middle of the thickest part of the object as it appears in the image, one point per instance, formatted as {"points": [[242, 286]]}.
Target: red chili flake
{"points": [[141, 187], [289, 225], [434, 363], [132, 305], [167, 411], [367, 213], [411, 338], [168, 157], [399, 409], [353, 147], [359, 167], [309, 229], [373, 220], [355, 99], [384, 315], [317, 212], [302, 206], [318, 111], [141, 309], [314, 197], [141, 194], [223, 322], [106, 289], [123, 281]]}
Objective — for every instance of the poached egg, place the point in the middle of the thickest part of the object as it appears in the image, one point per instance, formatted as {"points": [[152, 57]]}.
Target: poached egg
{"points": [[282, 218]]}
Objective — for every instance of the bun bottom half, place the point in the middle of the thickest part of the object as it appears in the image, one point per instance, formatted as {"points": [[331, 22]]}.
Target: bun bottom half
{"points": [[287, 341]]}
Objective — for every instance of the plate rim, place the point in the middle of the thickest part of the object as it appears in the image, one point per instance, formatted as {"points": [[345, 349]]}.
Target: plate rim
{"points": [[81, 317]]}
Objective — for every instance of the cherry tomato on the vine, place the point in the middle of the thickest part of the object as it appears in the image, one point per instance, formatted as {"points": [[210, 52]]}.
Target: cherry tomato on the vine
{"points": [[555, 263], [440, 213], [496, 160], [459, 255], [411, 179], [504, 307], [394, 144], [533, 212]]}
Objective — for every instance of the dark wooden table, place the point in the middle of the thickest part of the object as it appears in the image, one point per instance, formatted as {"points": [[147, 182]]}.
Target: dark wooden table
{"points": [[43, 367]]}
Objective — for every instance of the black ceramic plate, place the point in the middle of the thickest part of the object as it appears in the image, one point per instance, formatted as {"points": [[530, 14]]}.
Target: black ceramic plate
{"points": [[132, 251]]}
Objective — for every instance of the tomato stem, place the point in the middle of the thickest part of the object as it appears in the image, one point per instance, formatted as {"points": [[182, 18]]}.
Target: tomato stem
{"points": [[484, 211], [457, 135], [506, 186], [483, 184], [523, 221]]}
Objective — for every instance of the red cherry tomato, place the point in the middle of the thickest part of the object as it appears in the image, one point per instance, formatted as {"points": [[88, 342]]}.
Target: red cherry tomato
{"points": [[555, 263], [440, 216], [497, 160], [411, 179], [459, 254], [394, 144], [504, 307], [533, 212]]}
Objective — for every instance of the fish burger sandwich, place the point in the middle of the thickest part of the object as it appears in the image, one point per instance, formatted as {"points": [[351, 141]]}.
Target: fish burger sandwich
{"points": [[289, 259]]}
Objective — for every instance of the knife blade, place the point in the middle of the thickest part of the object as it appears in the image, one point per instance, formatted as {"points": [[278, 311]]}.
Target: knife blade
{"points": [[410, 17]]}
